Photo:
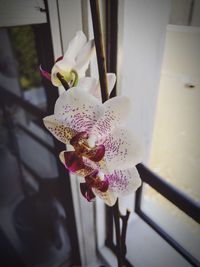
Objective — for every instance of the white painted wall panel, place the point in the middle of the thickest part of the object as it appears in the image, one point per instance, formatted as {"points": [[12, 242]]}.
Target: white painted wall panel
{"points": [[21, 12], [143, 44]]}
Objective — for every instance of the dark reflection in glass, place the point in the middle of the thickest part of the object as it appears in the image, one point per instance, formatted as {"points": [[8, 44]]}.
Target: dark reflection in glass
{"points": [[33, 221], [19, 64]]}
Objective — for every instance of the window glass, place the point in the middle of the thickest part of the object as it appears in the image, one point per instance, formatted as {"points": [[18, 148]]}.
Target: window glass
{"points": [[175, 151], [19, 64], [175, 222], [33, 224]]}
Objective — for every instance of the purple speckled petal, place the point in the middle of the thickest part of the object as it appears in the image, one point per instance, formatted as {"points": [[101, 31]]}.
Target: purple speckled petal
{"points": [[122, 151], [123, 183], [78, 109], [60, 130], [116, 113]]}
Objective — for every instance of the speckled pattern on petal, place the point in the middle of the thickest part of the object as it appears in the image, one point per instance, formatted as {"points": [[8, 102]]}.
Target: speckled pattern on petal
{"points": [[116, 112], [78, 109], [123, 183], [122, 151], [61, 131]]}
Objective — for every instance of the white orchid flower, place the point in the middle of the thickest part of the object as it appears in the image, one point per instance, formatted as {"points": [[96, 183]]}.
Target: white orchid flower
{"points": [[74, 63], [105, 152]]}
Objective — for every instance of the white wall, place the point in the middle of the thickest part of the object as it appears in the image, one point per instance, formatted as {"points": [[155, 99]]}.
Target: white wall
{"points": [[144, 33]]}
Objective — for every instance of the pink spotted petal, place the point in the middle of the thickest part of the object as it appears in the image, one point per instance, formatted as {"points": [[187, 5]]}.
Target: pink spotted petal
{"points": [[117, 110], [123, 183], [122, 150], [60, 130], [86, 191], [45, 74], [78, 109]]}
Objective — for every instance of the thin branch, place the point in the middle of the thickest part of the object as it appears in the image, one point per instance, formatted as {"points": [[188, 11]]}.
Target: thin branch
{"points": [[124, 219], [63, 81], [98, 38], [116, 216]]}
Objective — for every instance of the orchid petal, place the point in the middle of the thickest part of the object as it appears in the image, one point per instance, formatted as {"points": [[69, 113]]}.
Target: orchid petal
{"points": [[78, 109], [61, 131], [123, 183], [111, 78], [122, 150], [108, 197], [83, 57], [75, 45], [89, 84], [116, 113]]}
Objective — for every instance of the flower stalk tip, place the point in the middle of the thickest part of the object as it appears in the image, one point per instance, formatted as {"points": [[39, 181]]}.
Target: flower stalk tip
{"points": [[63, 81]]}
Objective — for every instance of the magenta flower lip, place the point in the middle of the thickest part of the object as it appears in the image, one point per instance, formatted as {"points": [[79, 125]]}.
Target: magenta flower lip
{"points": [[73, 162], [79, 142], [92, 181]]}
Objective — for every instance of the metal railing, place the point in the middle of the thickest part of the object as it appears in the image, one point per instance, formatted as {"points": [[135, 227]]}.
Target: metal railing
{"points": [[175, 196]]}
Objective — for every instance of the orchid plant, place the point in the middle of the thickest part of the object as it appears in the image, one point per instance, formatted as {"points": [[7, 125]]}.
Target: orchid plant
{"points": [[102, 150]]}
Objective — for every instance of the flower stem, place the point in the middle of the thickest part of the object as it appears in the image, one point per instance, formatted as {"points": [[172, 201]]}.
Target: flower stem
{"points": [[120, 234], [63, 81], [124, 219], [98, 38], [116, 214]]}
